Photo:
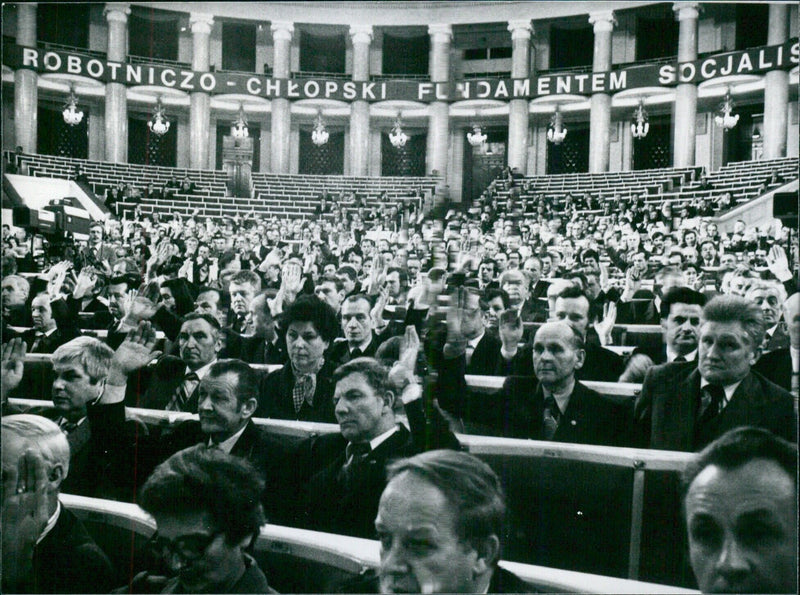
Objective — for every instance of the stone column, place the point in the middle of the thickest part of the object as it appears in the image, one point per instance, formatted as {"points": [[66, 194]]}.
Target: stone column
{"points": [[200, 101], [776, 89], [281, 108], [518, 108], [439, 120], [116, 95], [361, 35], [685, 116], [26, 93], [600, 115]]}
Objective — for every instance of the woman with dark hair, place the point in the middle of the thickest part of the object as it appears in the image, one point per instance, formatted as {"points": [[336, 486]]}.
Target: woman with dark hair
{"points": [[177, 296]]}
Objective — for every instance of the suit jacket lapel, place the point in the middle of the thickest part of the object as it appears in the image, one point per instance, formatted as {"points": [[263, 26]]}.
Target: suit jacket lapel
{"points": [[744, 406]]}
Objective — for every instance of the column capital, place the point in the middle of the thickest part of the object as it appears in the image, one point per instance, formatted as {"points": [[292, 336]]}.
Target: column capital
{"points": [[687, 10], [282, 30], [521, 29], [201, 22], [117, 11], [602, 20], [361, 33], [440, 32]]}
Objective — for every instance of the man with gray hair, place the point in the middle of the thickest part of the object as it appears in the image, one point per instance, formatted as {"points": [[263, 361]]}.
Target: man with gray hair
{"points": [[685, 407], [46, 549], [454, 502]]}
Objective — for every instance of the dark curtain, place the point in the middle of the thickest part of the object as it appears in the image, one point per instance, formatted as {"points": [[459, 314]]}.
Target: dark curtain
{"points": [[255, 134], [654, 150], [405, 55], [572, 155], [239, 47], [63, 23], [752, 24], [320, 53], [324, 160], [571, 47], [404, 161], [153, 33], [147, 148], [656, 38], [58, 138]]}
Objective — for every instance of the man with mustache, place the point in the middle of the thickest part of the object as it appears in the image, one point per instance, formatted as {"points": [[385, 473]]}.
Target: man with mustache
{"points": [[681, 309], [683, 407]]}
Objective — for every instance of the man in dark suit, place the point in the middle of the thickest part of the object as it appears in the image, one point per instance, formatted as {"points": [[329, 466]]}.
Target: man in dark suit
{"points": [[52, 326], [358, 327], [14, 296], [681, 310], [782, 366], [553, 405], [769, 296], [538, 286], [46, 549], [342, 496], [227, 399], [437, 494], [302, 389], [685, 407], [244, 286], [572, 306], [172, 382], [516, 283], [264, 346]]}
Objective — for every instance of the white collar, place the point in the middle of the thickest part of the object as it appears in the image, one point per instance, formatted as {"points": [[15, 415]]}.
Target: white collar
{"points": [[689, 357], [226, 446], [202, 371], [729, 389], [378, 440], [51, 522], [474, 342]]}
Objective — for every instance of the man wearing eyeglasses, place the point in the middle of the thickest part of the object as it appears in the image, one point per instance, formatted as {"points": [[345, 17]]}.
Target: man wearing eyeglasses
{"points": [[207, 512]]}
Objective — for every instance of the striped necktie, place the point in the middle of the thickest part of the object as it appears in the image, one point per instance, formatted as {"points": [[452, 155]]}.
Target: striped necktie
{"points": [[182, 392]]}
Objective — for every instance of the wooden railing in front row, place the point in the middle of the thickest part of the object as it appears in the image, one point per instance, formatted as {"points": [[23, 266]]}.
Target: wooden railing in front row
{"points": [[353, 555]]}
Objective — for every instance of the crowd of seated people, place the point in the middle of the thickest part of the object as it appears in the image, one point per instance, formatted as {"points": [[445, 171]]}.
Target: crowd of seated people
{"points": [[318, 321]]}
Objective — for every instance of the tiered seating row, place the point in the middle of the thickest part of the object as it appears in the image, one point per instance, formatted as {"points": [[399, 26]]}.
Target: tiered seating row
{"points": [[105, 174]]}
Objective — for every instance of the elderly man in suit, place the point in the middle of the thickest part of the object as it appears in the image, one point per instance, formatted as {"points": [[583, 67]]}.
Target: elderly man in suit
{"points": [[684, 406], [227, 397], [52, 326], [360, 339], [782, 366], [553, 405], [439, 494], [172, 382], [46, 549]]}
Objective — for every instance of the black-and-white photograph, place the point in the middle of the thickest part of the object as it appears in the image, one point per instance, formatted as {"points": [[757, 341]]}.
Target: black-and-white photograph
{"points": [[493, 296]]}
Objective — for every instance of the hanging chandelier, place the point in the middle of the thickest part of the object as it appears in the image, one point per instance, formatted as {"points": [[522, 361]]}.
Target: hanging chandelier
{"points": [[556, 133], [320, 135], [477, 136], [397, 137], [639, 125], [239, 128], [72, 115], [158, 124], [725, 117]]}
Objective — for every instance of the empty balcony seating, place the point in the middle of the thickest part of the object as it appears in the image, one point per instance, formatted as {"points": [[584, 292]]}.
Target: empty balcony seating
{"points": [[102, 175], [744, 180]]}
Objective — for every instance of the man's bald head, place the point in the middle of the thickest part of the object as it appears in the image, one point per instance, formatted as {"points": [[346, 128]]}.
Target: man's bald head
{"points": [[791, 314]]}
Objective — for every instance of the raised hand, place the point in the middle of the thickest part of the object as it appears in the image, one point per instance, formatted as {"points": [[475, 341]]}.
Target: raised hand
{"points": [[84, 283], [409, 348], [135, 352], [605, 326], [24, 516], [12, 365], [778, 263]]}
